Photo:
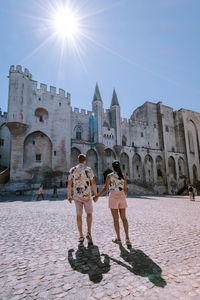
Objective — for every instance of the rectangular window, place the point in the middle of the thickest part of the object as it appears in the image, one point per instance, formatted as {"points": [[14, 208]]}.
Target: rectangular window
{"points": [[154, 125], [142, 134], [38, 157], [1, 142], [123, 167], [54, 153], [167, 128]]}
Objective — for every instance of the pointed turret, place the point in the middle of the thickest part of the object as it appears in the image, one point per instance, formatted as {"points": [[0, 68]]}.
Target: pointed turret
{"points": [[97, 95], [114, 99]]}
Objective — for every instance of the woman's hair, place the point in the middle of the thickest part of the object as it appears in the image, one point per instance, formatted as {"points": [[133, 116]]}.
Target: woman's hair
{"points": [[117, 169]]}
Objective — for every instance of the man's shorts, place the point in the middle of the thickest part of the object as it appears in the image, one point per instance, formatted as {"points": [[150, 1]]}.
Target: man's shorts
{"points": [[82, 201]]}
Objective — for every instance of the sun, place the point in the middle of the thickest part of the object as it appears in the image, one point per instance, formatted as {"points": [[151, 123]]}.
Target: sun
{"points": [[65, 23]]}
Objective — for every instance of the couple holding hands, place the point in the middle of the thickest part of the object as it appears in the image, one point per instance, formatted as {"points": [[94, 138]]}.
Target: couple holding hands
{"points": [[81, 178]]}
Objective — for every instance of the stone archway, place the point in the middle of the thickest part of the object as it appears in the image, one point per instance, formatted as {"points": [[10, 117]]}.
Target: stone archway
{"points": [[124, 160], [137, 168], [195, 176], [160, 170], [181, 168], [92, 161], [108, 158], [172, 168], [74, 156], [37, 151], [148, 169]]}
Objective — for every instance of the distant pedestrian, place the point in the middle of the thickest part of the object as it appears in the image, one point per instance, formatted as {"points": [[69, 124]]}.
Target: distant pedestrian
{"points": [[194, 193], [191, 192], [82, 177], [116, 183], [55, 194], [40, 192]]}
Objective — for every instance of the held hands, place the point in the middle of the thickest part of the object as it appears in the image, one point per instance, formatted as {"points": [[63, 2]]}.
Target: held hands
{"points": [[69, 199], [95, 198]]}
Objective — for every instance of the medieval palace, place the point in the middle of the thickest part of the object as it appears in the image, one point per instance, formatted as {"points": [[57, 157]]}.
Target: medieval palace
{"points": [[41, 137]]}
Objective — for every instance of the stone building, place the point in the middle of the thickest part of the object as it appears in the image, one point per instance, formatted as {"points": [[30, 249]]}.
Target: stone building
{"points": [[158, 148]]}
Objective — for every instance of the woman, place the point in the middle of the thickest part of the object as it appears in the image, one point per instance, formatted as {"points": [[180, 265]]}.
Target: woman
{"points": [[116, 183]]}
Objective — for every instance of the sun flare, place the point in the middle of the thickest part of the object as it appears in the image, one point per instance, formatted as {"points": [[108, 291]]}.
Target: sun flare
{"points": [[66, 23]]}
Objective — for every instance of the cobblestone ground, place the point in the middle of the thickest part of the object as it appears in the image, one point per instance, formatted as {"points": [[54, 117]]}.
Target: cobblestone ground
{"points": [[37, 260]]}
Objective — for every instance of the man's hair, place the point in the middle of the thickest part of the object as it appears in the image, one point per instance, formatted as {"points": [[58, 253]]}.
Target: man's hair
{"points": [[81, 158]]}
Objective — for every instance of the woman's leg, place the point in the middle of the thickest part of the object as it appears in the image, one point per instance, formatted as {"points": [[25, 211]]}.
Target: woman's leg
{"points": [[115, 215], [124, 221]]}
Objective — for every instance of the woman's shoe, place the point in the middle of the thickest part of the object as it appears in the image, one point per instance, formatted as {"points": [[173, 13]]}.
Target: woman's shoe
{"points": [[116, 241], [81, 239], [128, 243]]}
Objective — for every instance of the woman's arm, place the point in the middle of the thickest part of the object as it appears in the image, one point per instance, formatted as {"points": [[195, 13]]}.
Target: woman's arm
{"points": [[105, 187], [125, 187]]}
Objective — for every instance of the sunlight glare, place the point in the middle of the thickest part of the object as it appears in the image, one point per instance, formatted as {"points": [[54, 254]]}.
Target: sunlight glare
{"points": [[66, 23]]}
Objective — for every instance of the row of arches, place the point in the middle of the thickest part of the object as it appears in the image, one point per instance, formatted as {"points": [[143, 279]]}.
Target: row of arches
{"points": [[147, 170]]}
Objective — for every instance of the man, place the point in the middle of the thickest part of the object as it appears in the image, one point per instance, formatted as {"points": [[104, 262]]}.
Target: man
{"points": [[82, 177]]}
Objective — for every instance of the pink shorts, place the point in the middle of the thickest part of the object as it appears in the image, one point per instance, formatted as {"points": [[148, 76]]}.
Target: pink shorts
{"points": [[82, 201], [117, 199]]}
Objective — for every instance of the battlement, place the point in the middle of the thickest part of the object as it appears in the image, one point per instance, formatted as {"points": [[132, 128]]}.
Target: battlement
{"points": [[42, 87], [82, 111], [19, 69]]}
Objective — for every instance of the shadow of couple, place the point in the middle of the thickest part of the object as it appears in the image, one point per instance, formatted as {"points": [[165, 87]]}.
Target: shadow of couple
{"points": [[89, 261]]}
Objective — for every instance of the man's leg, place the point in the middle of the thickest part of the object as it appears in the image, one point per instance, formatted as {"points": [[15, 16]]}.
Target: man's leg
{"points": [[79, 225], [79, 212], [115, 216], [89, 222], [124, 221]]}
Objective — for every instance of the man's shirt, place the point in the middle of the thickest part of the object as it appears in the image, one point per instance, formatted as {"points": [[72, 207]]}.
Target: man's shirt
{"points": [[81, 175]]}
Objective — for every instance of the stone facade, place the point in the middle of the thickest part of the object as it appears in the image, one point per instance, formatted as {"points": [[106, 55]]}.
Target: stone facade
{"points": [[158, 147], [4, 142]]}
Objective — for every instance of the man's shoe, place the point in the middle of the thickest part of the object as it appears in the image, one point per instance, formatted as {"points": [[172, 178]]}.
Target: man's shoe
{"points": [[89, 238]]}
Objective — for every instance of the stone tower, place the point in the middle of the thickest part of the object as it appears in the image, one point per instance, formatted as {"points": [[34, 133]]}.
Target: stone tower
{"points": [[97, 107], [115, 117]]}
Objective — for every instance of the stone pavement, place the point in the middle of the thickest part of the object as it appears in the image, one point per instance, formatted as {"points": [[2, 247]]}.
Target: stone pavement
{"points": [[40, 257]]}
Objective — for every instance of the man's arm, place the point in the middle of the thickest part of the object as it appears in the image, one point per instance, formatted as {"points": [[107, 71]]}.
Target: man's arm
{"points": [[94, 186], [69, 185]]}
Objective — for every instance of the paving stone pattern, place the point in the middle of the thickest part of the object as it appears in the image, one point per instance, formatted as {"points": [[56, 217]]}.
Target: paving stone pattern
{"points": [[40, 257]]}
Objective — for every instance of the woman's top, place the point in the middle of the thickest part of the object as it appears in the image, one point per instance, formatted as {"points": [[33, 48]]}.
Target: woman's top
{"points": [[116, 184]]}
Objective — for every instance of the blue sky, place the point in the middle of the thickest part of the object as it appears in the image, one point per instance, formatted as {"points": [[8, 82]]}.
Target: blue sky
{"points": [[147, 49]]}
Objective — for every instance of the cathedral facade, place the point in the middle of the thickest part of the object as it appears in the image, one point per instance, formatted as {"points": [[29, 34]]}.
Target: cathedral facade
{"points": [[158, 147]]}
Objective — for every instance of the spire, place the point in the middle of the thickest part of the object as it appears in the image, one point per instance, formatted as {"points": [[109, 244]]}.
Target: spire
{"points": [[114, 99], [97, 95]]}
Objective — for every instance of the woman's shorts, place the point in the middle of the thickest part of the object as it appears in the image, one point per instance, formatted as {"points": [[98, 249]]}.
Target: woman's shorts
{"points": [[117, 199], [82, 201]]}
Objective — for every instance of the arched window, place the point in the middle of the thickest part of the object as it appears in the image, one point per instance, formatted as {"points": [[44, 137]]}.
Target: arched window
{"points": [[78, 132], [123, 140], [41, 114]]}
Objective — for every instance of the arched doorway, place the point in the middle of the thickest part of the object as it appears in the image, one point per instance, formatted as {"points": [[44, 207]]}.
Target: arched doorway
{"points": [[195, 176], [124, 160], [137, 168], [108, 158], [160, 170], [148, 169], [92, 161], [74, 156], [37, 151], [172, 168]]}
